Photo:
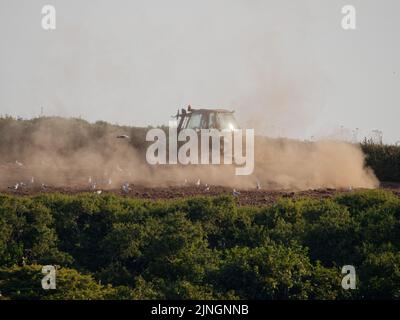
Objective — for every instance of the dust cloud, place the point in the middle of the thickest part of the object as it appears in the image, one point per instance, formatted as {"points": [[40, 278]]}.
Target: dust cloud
{"points": [[73, 153], [291, 164]]}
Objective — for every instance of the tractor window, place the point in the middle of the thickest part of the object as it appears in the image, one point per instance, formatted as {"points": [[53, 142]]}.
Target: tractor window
{"points": [[194, 121], [212, 121], [204, 122], [227, 121]]}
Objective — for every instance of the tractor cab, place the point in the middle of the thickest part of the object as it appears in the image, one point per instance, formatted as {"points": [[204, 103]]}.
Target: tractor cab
{"points": [[197, 119]]}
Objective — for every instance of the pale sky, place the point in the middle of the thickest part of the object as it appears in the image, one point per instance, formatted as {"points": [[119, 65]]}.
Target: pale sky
{"points": [[286, 67]]}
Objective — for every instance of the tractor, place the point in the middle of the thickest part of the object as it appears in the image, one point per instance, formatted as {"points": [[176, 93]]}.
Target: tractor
{"points": [[198, 119]]}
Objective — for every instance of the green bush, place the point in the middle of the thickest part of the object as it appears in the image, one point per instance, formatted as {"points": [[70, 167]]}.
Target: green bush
{"points": [[383, 159], [24, 283], [200, 247]]}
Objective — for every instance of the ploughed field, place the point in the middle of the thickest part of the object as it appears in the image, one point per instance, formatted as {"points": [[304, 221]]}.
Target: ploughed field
{"points": [[242, 196], [18, 180]]}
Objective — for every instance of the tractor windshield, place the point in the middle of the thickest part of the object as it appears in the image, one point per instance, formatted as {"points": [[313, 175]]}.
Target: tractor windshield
{"points": [[210, 120], [227, 121]]}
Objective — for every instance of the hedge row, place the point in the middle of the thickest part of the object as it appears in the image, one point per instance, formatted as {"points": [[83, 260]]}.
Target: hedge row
{"points": [[110, 247]]}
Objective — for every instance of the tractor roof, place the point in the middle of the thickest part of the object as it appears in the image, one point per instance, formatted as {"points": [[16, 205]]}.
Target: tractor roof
{"points": [[210, 110]]}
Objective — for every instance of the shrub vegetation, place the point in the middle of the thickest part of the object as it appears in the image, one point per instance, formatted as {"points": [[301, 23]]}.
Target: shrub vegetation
{"points": [[112, 247]]}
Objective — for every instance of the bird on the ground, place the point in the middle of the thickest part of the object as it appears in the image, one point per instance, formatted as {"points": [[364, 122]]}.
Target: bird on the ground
{"points": [[18, 163], [235, 193], [125, 187]]}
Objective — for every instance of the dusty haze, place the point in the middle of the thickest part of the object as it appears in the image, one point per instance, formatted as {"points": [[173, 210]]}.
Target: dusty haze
{"points": [[73, 153]]}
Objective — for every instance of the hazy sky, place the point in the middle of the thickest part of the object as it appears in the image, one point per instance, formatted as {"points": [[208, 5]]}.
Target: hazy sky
{"points": [[286, 67]]}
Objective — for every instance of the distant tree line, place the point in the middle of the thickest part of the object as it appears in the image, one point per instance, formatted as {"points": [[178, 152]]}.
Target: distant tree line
{"points": [[383, 159]]}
